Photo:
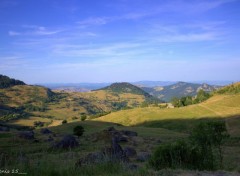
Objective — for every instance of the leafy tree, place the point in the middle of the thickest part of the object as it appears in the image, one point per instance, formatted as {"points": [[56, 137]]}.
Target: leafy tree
{"points": [[209, 135], [78, 131], [202, 96], [176, 102]]}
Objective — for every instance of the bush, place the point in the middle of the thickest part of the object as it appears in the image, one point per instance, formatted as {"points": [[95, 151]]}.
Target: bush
{"points": [[83, 117], [38, 124], [78, 131], [64, 121], [197, 152]]}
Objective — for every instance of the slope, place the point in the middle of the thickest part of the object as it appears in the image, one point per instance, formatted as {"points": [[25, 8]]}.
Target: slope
{"points": [[222, 106], [124, 87]]}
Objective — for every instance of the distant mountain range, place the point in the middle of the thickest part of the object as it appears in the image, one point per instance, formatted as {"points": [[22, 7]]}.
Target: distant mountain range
{"points": [[180, 89], [164, 90]]}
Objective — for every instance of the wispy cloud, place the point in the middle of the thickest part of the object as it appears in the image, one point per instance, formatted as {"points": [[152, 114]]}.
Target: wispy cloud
{"points": [[13, 33], [116, 49], [93, 21], [11, 62], [34, 30]]}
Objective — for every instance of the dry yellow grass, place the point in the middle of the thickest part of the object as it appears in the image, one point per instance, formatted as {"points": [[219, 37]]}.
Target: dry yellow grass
{"points": [[218, 106]]}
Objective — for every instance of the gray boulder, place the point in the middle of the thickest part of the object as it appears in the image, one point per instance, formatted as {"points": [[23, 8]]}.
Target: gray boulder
{"points": [[143, 156], [129, 133], [130, 152], [29, 135], [68, 141], [2, 128], [45, 131], [91, 158]]}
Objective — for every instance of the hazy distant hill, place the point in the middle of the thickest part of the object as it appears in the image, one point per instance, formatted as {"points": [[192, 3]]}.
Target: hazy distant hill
{"points": [[75, 87], [153, 83], [6, 82], [180, 89]]}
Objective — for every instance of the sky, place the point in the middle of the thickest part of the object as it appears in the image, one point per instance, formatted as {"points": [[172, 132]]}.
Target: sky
{"points": [[72, 41]]}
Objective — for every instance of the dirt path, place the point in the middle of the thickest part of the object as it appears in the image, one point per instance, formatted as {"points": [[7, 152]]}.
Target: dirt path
{"points": [[217, 113]]}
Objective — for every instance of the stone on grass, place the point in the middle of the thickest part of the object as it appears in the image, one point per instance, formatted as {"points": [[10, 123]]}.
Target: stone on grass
{"points": [[68, 141], [143, 156], [45, 131], [130, 152], [29, 135]]}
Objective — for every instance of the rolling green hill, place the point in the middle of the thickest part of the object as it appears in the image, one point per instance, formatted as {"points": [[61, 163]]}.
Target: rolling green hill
{"points": [[220, 106], [25, 104]]}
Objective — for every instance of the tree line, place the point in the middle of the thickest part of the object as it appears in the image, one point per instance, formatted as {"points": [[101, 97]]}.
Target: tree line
{"points": [[189, 100]]}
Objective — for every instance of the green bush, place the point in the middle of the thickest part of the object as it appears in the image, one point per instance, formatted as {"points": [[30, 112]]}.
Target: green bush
{"points": [[78, 131], [64, 121], [83, 117], [195, 153]]}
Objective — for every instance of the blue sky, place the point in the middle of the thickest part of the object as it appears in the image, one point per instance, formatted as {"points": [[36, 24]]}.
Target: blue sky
{"points": [[70, 41]]}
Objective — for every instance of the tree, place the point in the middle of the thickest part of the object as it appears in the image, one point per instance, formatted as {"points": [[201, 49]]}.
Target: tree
{"points": [[202, 96], [78, 131], [209, 135]]}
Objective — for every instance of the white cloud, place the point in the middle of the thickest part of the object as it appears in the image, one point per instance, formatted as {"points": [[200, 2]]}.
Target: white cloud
{"points": [[115, 49], [93, 21], [29, 30], [13, 33]]}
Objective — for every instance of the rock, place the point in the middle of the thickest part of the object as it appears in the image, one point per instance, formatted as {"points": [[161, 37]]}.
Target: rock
{"points": [[143, 156], [132, 166], [91, 158], [45, 131], [50, 139], [29, 135], [129, 133], [121, 139], [68, 141], [111, 129], [115, 152], [130, 152], [2, 128]]}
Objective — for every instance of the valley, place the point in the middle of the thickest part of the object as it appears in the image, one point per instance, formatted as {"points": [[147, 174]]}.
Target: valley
{"points": [[139, 121]]}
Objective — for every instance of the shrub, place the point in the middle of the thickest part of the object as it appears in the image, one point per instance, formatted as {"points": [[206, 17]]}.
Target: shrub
{"points": [[197, 152], [38, 124], [64, 121], [78, 131], [83, 117]]}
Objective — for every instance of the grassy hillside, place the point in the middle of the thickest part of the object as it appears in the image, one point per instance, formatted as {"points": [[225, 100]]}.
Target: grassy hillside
{"points": [[218, 106], [123, 88], [26, 104]]}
